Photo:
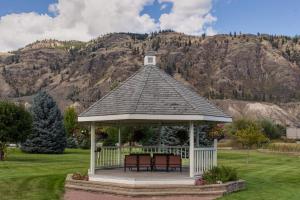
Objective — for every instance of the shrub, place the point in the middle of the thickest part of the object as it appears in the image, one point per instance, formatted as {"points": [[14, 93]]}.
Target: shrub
{"points": [[15, 125], [79, 176], [223, 174], [83, 138], [241, 124], [284, 147], [72, 142], [270, 129]]}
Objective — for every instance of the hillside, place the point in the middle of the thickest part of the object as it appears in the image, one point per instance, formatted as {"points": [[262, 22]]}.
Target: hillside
{"points": [[249, 68]]}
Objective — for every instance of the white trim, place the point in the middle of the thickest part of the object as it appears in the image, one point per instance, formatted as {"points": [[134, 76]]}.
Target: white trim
{"points": [[146, 60], [191, 156], [154, 117], [215, 152], [93, 145]]}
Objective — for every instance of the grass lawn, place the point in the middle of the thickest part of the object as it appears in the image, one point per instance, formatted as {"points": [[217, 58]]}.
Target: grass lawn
{"points": [[268, 176], [38, 176], [32, 176]]}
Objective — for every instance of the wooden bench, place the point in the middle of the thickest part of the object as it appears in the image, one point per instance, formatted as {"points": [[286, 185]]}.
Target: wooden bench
{"points": [[175, 162], [159, 161], [138, 161], [130, 161]]}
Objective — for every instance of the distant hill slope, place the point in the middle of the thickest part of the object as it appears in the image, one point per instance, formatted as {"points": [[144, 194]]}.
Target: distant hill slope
{"points": [[252, 68]]}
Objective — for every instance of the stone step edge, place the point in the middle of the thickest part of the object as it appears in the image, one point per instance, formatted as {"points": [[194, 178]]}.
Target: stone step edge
{"points": [[126, 193], [177, 188], [119, 185]]}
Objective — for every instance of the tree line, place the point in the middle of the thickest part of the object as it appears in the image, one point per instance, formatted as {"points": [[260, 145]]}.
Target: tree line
{"points": [[44, 129]]}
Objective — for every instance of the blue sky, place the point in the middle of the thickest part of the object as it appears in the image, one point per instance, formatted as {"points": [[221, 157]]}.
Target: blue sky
{"points": [[248, 16], [24, 21]]}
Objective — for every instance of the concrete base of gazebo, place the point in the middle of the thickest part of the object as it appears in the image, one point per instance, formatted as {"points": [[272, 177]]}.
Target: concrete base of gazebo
{"points": [[142, 178], [151, 190]]}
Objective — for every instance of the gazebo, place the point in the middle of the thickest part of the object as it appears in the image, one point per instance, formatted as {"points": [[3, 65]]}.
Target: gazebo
{"points": [[150, 96]]}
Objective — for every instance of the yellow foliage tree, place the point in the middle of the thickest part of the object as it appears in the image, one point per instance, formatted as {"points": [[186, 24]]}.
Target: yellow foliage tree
{"points": [[251, 137]]}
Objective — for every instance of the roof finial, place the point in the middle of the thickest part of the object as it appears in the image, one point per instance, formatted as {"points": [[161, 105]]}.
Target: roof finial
{"points": [[150, 58]]}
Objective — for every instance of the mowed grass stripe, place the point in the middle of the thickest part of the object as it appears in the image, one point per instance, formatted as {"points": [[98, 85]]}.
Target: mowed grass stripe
{"points": [[268, 176], [39, 176]]}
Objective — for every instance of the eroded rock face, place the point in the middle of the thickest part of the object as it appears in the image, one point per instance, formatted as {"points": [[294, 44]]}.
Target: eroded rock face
{"points": [[285, 114], [245, 67]]}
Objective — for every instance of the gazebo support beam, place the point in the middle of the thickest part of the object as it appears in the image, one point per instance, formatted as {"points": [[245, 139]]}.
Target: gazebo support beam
{"points": [[191, 151], [93, 146], [119, 143]]}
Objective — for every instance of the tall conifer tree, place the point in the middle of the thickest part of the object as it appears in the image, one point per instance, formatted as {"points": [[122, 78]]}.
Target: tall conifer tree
{"points": [[48, 134]]}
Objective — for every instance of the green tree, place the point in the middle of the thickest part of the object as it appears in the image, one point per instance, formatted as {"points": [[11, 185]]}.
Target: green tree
{"points": [[48, 135], [15, 125], [240, 124], [250, 137], [70, 121], [71, 126], [270, 129]]}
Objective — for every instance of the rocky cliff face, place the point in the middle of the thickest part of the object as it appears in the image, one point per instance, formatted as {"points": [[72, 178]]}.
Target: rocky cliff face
{"points": [[243, 67]]}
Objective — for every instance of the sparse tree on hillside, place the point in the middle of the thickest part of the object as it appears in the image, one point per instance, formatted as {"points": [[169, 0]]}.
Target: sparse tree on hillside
{"points": [[15, 125], [48, 135]]}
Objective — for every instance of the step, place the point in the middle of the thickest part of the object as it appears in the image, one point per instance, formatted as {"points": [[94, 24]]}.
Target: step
{"points": [[146, 188], [149, 193]]}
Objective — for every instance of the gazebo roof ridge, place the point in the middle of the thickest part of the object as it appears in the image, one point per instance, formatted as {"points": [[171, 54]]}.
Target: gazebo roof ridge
{"points": [[140, 95]]}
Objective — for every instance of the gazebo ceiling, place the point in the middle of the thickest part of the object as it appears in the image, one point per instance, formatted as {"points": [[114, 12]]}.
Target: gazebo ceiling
{"points": [[151, 94]]}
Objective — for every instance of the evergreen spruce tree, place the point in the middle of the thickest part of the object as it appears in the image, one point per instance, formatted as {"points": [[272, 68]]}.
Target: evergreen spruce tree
{"points": [[169, 136], [48, 133], [204, 140]]}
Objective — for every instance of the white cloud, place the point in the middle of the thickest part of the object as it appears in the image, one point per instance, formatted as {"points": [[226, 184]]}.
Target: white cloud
{"points": [[87, 19], [210, 31], [163, 6], [190, 17]]}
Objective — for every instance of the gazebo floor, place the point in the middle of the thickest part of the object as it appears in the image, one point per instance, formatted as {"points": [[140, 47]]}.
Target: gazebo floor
{"points": [[143, 177]]}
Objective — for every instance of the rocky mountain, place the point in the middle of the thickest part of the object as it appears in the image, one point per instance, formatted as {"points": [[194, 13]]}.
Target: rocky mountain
{"points": [[252, 75]]}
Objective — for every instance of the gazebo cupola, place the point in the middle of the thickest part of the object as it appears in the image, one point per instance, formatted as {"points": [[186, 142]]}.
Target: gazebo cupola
{"points": [[150, 58]]}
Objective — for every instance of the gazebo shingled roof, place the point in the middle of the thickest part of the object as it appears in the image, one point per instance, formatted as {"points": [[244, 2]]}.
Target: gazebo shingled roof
{"points": [[152, 92]]}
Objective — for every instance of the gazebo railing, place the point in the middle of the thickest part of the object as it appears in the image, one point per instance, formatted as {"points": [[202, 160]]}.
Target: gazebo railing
{"points": [[112, 156], [204, 159], [108, 157]]}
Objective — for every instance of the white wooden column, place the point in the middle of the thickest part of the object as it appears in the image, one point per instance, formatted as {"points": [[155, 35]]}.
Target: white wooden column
{"points": [[120, 151], [197, 137], [215, 152], [93, 146], [191, 151]]}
